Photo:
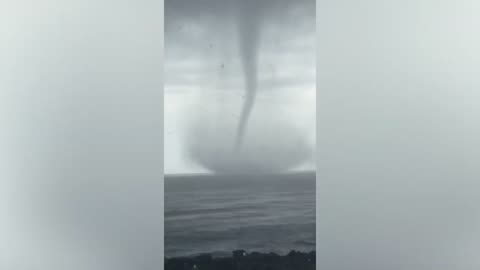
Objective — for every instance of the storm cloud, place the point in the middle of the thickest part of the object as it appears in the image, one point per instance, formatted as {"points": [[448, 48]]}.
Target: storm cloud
{"points": [[243, 60]]}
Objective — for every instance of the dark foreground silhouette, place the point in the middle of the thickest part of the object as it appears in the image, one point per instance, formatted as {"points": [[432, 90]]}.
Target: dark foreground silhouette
{"points": [[241, 260]]}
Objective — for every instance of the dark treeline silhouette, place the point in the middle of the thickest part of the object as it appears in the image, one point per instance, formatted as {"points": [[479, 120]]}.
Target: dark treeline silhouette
{"points": [[241, 260]]}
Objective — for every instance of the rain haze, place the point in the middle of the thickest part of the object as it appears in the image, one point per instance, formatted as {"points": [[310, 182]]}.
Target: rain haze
{"points": [[238, 73]]}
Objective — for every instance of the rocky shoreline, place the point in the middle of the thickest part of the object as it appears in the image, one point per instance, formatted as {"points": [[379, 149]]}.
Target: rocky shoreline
{"points": [[241, 260]]}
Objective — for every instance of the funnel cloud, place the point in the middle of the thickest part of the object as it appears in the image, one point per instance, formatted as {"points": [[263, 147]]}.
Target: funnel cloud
{"points": [[248, 33], [254, 75]]}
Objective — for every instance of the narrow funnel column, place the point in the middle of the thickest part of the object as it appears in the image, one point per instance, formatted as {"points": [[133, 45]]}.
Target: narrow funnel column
{"points": [[248, 36]]}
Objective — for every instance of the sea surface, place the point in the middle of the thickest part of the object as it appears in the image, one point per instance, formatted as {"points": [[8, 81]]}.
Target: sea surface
{"points": [[219, 213]]}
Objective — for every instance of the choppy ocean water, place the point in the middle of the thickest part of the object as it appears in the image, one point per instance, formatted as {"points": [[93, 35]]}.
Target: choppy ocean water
{"points": [[220, 213]]}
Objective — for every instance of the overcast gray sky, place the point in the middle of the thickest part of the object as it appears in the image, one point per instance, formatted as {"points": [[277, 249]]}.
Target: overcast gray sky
{"points": [[204, 77]]}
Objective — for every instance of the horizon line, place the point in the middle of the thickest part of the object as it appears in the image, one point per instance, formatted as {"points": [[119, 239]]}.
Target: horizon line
{"points": [[250, 173]]}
